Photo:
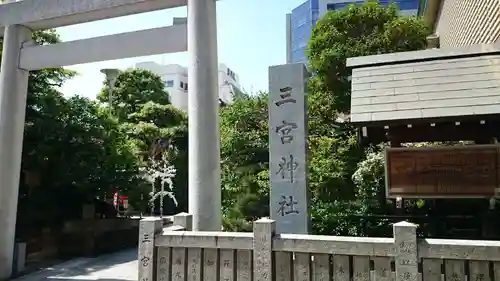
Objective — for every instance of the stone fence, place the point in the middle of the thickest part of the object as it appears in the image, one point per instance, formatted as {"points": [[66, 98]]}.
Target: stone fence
{"points": [[177, 254]]}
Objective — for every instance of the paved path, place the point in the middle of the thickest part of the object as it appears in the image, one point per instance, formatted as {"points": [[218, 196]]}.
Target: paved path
{"points": [[121, 266]]}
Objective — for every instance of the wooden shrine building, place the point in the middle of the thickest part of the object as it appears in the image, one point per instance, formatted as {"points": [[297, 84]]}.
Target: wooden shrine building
{"points": [[450, 96]]}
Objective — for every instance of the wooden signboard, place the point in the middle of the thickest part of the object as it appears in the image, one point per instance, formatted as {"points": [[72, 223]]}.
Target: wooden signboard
{"points": [[443, 172]]}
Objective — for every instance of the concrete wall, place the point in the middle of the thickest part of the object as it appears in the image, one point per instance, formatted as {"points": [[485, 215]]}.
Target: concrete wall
{"points": [[442, 86], [97, 236], [468, 22]]}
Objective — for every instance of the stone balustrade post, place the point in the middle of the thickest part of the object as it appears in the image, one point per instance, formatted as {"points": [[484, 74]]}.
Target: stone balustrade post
{"points": [[148, 229], [405, 239], [185, 220], [263, 232]]}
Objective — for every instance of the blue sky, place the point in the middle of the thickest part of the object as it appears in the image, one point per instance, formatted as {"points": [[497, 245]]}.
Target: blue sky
{"points": [[251, 37]]}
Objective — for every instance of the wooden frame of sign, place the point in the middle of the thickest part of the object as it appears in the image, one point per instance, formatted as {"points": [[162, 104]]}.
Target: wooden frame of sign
{"points": [[471, 171]]}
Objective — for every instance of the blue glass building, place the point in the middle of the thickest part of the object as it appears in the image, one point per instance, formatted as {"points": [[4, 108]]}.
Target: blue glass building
{"points": [[304, 17]]}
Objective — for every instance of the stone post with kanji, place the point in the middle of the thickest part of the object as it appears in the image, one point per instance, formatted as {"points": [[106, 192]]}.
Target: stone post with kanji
{"points": [[288, 148], [148, 229]]}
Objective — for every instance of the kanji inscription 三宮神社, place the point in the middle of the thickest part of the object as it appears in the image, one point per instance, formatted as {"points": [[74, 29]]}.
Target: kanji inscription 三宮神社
{"points": [[288, 148]]}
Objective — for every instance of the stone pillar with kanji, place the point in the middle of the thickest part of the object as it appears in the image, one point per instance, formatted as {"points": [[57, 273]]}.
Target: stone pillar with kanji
{"points": [[288, 148]]}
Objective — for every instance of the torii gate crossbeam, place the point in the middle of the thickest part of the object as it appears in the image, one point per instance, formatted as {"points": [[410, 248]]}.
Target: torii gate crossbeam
{"points": [[19, 19], [46, 14]]}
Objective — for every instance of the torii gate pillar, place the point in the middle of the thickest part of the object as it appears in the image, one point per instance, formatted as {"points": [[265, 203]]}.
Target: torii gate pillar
{"points": [[13, 91], [203, 113]]}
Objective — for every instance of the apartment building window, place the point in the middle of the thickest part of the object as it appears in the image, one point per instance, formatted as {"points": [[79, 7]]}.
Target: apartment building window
{"points": [[315, 16], [330, 7], [182, 85], [185, 86], [302, 20], [341, 6], [302, 43], [169, 83], [231, 74]]}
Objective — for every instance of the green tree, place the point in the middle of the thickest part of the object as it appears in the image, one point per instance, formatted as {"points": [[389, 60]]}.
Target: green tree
{"points": [[358, 30], [244, 161], [142, 107], [77, 144], [71, 151], [132, 89], [80, 155]]}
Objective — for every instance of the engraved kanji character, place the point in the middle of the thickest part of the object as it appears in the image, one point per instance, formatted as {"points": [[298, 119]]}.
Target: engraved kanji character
{"points": [[286, 96], [285, 130], [287, 206], [287, 167]]}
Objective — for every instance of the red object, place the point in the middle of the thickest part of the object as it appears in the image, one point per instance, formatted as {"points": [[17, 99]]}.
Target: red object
{"points": [[115, 198], [123, 197]]}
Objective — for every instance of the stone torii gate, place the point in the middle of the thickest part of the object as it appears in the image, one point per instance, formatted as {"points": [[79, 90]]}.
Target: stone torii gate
{"points": [[20, 55]]}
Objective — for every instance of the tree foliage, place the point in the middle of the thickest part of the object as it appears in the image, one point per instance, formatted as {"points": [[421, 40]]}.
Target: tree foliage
{"points": [[142, 108], [358, 30], [244, 161], [132, 89], [75, 150], [72, 151]]}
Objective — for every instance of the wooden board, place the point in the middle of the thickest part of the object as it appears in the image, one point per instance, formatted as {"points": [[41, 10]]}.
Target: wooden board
{"points": [[443, 172]]}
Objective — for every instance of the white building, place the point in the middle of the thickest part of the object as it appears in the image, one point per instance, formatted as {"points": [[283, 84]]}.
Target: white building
{"points": [[175, 78]]}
